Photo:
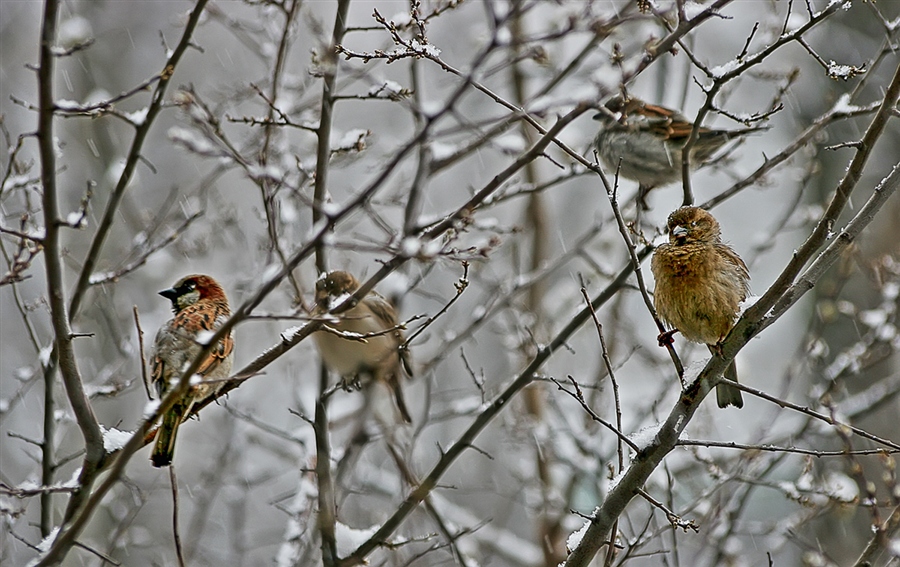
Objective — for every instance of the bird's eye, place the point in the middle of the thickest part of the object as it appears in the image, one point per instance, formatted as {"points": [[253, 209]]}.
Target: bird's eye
{"points": [[694, 223]]}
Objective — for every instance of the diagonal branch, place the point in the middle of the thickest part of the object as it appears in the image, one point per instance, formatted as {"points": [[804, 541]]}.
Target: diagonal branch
{"points": [[465, 441], [748, 326]]}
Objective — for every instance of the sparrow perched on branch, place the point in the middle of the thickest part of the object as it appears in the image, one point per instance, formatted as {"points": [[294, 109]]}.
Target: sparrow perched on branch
{"points": [[372, 341], [648, 139], [200, 307], [700, 283]]}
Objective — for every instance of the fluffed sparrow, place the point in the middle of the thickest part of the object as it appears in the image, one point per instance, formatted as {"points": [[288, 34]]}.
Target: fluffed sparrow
{"points": [[700, 283], [648, 139], [380, 355], [200, 307]]}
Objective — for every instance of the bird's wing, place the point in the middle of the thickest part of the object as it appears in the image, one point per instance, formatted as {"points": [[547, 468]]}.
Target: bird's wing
{"points": [[734, 260], [387, 315], [157, 376], [382, 309], [206, 316]]}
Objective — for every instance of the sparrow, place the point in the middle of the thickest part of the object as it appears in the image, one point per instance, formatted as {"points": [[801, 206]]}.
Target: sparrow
{"points": [[200, 307], [700, 283], [648, 140], [380, 356]]}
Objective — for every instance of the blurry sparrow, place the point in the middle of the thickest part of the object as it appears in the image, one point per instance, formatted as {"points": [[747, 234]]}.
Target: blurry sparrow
{"points": [[648, 139], [379, 356], [700, 283], [200, 308]]}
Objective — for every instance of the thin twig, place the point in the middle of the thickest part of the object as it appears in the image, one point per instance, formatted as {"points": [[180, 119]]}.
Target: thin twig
{"points": [[674, 519], [460, 286], [177, 537], [143, 360], [636, 264], [579, 397], [604, 353], [812, 413], [779, 448]]}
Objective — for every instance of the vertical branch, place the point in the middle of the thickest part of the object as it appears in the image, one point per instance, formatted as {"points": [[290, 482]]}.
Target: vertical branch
{"points": [[174, 482], [68, 366], [536, 219], [48, 463], [423, 152], [268, 195], [639, 275], [141, 359], [323, 149], [327, 515], [620, 452], [280, 60], [63, 354]]}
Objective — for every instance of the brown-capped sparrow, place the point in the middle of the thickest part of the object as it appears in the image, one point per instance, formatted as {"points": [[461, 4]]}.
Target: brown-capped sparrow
{"points": [[200, 307], [648, 140], [374, 320], [700, 283]]}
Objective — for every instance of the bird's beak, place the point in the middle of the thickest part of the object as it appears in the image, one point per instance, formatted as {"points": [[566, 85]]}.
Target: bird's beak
{"points": [[170, 293], [679, 231]]}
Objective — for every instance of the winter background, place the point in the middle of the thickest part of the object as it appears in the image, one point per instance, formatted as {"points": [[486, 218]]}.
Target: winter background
{"points": [[217, 191]]}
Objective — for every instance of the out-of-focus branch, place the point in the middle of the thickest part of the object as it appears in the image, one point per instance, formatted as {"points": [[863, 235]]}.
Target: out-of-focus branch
{"points": [[880, 539], [840, 242], [537, 220], [825, 226], [265, 183], [835, 113]]}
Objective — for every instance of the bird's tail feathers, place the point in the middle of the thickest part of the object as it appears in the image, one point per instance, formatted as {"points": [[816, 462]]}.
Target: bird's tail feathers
{"points": [[726, 394], [164, 449]]}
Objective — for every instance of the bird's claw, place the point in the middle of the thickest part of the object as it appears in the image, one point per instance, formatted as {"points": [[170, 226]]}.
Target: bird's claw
{"points": [[351, 383], [665, 339]]}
